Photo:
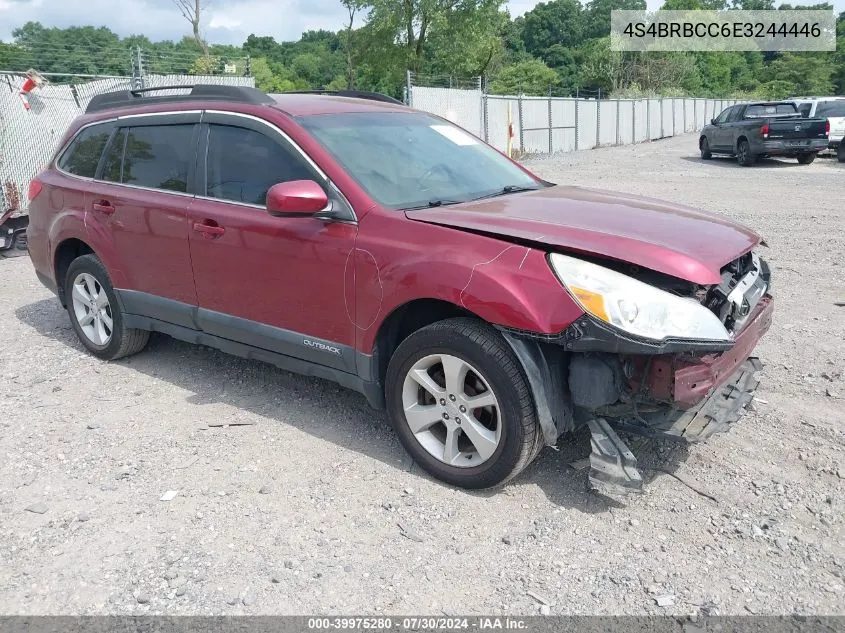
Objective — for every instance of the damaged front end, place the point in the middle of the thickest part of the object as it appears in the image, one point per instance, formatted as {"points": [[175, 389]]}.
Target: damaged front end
{"points": [[679, 388]]}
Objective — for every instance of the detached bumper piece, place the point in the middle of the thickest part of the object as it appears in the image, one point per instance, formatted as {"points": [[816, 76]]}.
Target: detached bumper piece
{"points": [[613, 467], [715, 414]]}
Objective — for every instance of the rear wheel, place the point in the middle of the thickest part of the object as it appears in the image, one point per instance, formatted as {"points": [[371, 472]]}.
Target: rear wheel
{"points": [[806, 159], [743, 154], [704, 146], [95, 314], [460, 404], [840, 151]]}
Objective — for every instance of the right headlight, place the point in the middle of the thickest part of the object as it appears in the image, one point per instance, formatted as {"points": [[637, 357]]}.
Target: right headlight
{"points": [[634, 306]]}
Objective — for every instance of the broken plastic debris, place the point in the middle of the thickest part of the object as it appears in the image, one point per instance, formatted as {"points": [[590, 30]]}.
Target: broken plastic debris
{"points": [[169, 495], [666, 600], [233, 423]]}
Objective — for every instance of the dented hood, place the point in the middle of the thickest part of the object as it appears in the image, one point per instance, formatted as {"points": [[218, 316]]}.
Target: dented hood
{"points": [[669, 238]]}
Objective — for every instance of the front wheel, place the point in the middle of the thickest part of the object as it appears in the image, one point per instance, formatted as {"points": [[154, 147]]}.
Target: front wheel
{"points": [[743, 154], [704, 147], [461, 405], [806, 159], [95, 313]]}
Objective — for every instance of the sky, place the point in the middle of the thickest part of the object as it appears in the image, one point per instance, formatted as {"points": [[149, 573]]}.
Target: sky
{"points": [[228, 22]]}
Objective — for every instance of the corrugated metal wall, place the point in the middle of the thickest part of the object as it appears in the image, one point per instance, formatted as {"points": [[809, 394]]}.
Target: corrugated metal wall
{"points": [[543, 125]]}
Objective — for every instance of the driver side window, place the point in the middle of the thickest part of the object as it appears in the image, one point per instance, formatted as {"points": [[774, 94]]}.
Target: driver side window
{"points": [[242, 164], [724, 115]]}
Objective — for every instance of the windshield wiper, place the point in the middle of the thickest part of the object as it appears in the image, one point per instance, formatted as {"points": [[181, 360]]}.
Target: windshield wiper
{"points": [[433, 203], [506, 190]]}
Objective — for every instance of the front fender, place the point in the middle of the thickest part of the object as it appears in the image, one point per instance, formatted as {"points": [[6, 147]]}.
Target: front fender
{"points": [[509, 285]]}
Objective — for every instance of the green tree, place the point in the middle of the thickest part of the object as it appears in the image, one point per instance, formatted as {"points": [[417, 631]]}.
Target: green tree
{"points": [[799, 73], [597, 15], [531, 77], [556, 23], [411, 22]]}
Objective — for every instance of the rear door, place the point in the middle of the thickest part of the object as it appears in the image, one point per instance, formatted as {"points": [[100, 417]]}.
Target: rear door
{"points": [[139, 200]]}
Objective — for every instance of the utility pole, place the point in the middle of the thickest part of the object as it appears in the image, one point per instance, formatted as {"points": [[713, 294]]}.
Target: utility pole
{"points": [[137, 60]]}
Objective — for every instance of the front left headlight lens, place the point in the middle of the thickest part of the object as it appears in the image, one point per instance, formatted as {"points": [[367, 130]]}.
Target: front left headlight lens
{"points": [[634, 306]]}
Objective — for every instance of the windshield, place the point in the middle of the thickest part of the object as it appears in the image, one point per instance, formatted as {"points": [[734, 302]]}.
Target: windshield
{"points": [[827, 109], [411, 159]]}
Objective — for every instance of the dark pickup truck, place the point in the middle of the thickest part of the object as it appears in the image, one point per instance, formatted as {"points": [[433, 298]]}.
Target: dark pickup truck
{"points": [[771, 128]]}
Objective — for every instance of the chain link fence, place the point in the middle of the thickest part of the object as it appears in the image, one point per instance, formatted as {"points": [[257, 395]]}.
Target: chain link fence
{"points": [[550, 124], [29, 137]]}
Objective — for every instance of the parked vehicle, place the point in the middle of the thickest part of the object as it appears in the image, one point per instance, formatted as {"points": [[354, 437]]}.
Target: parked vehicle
{"points": [[830, 108], [772, 128], [13, 230], [488, 311]]}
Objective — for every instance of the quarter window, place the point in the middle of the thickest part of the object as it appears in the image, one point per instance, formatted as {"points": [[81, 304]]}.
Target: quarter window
{"points": [[114, 157], [83, 154], [156, 156], [242, 164]]}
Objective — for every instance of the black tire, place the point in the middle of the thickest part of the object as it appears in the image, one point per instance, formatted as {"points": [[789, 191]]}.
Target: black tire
{"points": [[743, 154], [123, 341], [704, 147], [840, 151], [484, 348], [806, 159]]}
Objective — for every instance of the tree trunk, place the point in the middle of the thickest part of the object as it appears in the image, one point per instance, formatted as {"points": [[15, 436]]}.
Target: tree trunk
{"points": [[350, 69]]}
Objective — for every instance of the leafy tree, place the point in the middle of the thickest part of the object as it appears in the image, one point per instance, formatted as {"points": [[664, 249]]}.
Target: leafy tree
{"points": [[555, 23], [597, 15], [799, 73], [531, 77], [412, 22], [558, 43]]}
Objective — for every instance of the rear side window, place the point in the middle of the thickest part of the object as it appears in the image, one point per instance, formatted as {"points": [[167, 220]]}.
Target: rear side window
{"points": [[834, 109], [155, 156], [83, 154], [243, 164], [112, 168]]}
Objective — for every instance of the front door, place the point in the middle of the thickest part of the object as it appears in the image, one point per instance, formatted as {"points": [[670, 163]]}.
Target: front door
{"points": [[720, 130], [275, 283]]}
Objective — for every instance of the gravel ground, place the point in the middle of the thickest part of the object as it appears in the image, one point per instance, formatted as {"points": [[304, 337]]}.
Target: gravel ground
{"points": [[312, 506]]}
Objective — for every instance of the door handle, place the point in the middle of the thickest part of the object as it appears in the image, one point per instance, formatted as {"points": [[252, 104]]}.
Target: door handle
{"points": [[209, 230], [103, 206]]}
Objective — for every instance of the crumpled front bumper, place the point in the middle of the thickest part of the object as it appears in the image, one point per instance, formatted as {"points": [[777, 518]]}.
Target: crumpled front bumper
{"points": [[710, 392]]}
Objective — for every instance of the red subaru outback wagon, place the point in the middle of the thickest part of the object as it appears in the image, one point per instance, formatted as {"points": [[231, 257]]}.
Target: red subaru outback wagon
{"points": [[360, 241]]}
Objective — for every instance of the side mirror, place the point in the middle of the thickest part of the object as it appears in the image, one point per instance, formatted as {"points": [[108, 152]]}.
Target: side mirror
{"points": [[296, 198], [712, 121]]}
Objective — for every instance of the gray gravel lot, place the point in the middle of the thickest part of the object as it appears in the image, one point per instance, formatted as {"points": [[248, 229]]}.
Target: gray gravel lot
{"points": [[312, 506]]}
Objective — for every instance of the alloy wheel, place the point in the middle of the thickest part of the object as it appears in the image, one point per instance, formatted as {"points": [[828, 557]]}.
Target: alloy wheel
{"points": [[451, 410], [92, 309]]}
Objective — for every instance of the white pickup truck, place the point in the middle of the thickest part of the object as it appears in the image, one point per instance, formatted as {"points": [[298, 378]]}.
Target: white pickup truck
{"points": [[830, 108]]}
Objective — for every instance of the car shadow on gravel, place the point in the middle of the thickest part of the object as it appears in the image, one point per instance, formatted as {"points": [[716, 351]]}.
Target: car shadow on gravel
{"points": [[727, 161], [330, 412]]}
